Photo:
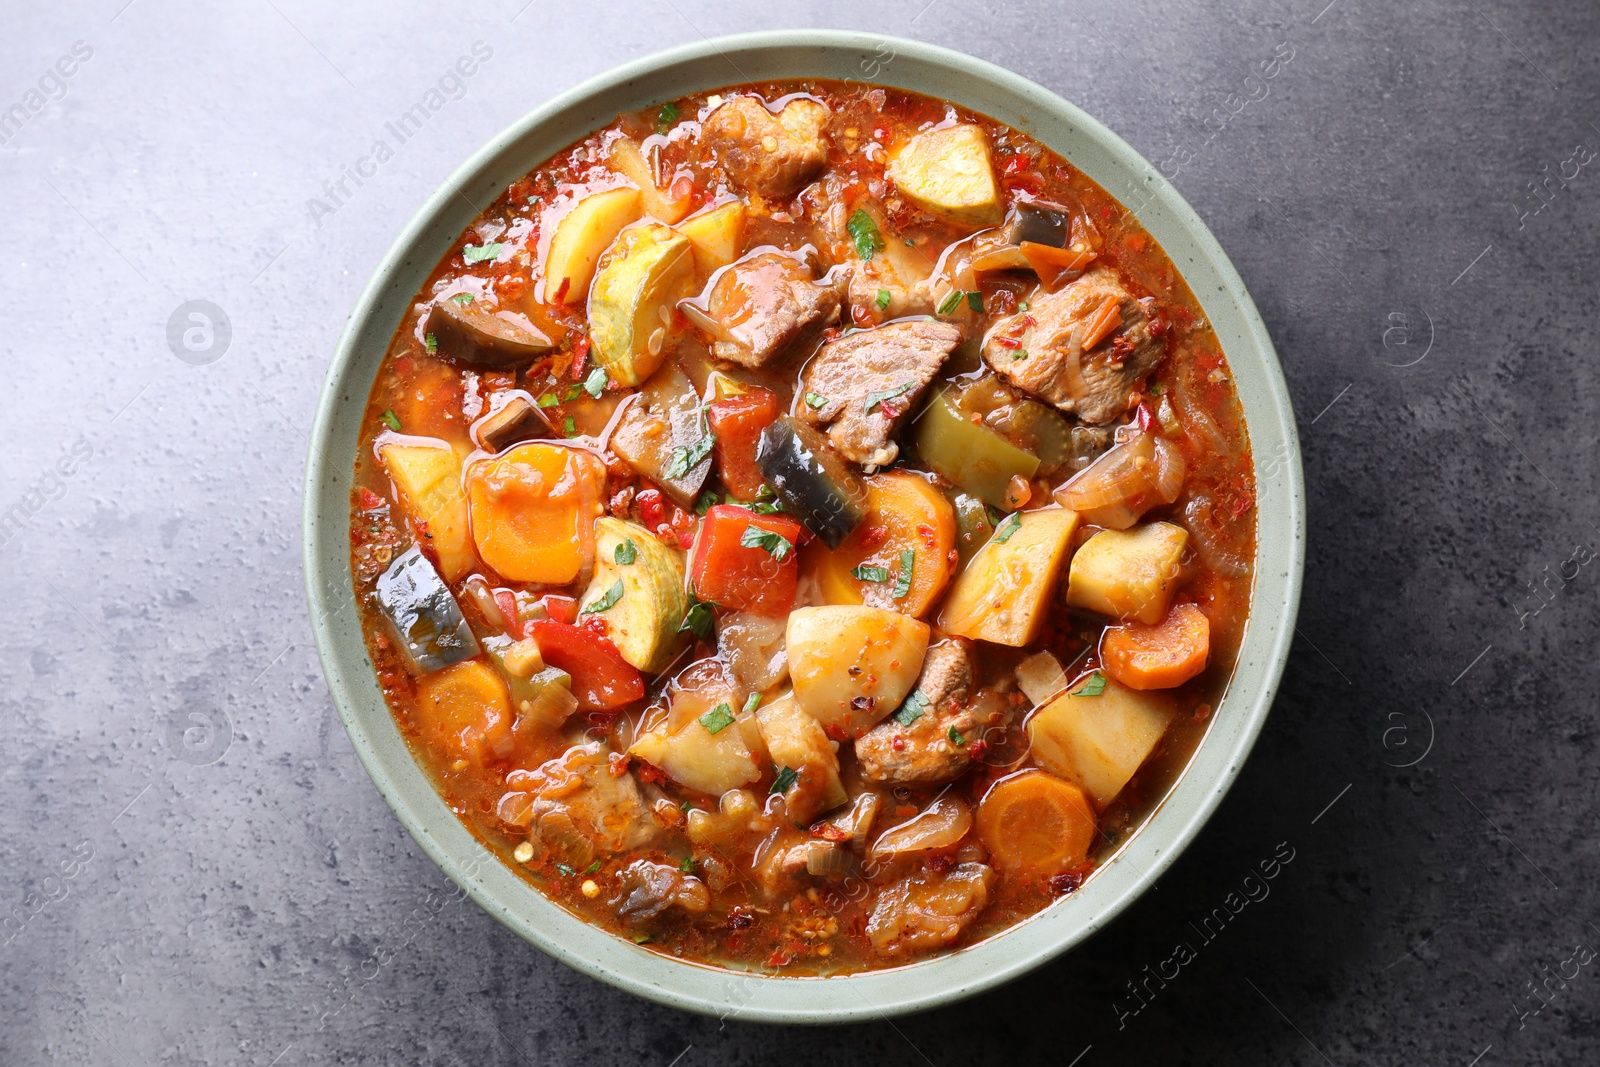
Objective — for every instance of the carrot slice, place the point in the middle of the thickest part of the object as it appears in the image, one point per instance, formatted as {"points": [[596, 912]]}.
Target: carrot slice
{"points": [[1161, 656], [1055, 265], [1035, 820], [1106, 317], [465, 711]]}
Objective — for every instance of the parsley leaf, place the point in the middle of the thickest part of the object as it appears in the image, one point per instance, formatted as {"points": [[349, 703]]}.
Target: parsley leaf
{"points": [[698, 620], [479, 253], [717, 719], [641, 939], [667, 116], [707, 501], [864, 232], [595, 866], [948, 304], [955, 736], [687, 866], [685, 460], [775, 543], [878, 396], [1093, 687], [1008, 526], [391, 420], [975, 302], [884, 296], [752, 703], [607, 602], [902, 581], [431, 343], [866, 572], [462, 299], [787, 776], [915, 706], [1021, 353], [816, 400], [569, 426], [626, 552], [549, 400], [595, 383]]}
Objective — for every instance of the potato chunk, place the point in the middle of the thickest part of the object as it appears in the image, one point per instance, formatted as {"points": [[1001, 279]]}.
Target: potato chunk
{"points": [[641, 277], [948, 173], [794, 740], [581, 236], [1128, 574], [429, 480], [1098, 741], [853, 665], [700, 741], [1004, 594], [717, 236], [643, 621]]}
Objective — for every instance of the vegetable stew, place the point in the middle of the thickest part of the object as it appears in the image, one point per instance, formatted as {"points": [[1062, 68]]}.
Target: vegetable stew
{"points": [[804, 527]]}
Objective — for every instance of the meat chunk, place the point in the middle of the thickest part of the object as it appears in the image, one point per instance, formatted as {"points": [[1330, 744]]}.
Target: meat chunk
{"points": [[860, 384], [647, 889], [1042, 350], [769, 305], [576, 807], [929, 909], [766, 153], [923, 753]]}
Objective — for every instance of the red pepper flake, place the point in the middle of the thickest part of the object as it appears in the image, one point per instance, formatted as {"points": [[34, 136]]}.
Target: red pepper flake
{"points": [[1146, 419], [618, 764], [940, 864], [829, 832], [596, 626], [873, 536], [739, 919], [580, 353], [898, 744], [651, 773], [1064, 882], [1007, 342], [560, 296], [978, 749], [652, 508], [1007, 301], [402, 366], [779, 958]]}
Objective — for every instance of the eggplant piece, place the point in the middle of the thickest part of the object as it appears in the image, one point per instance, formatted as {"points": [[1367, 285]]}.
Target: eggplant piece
{"points": [[1037, 221], [427, 621], [473, 334], [518, 419], [812, 480], [662, 435]]}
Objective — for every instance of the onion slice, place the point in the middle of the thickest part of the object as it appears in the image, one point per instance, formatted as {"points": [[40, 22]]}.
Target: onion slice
{"points": [[942, 823]]}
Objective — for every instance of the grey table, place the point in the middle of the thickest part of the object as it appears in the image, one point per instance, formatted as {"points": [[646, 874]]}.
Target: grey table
{"points": [[195, 868]]}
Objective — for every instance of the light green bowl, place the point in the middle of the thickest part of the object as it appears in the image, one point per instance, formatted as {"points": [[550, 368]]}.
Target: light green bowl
{"points": [[760, 57]]}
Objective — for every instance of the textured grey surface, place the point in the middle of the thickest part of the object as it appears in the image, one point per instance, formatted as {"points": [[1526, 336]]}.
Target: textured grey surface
{"points": [[265, 908]]}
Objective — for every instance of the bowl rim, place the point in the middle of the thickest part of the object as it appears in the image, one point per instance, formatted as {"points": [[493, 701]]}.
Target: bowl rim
{"points": [[750, 996]]}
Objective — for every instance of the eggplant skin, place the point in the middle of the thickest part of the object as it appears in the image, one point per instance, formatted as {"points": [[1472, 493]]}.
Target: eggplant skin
{"points": [[814, 482], [480, 338], [427, 621]]}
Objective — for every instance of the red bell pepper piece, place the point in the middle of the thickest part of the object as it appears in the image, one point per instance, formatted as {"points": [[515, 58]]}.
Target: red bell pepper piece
{"points": [[601, 679], [738, 421], [560, 608], [747, 577]]}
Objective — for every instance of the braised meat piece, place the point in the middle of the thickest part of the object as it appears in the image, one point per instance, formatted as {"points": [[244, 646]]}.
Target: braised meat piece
{"points": [[929, 909], [576, 807], [766, 153], [924, 753], [1082, 348], [647, 889], [770, 305], [860, 384]]}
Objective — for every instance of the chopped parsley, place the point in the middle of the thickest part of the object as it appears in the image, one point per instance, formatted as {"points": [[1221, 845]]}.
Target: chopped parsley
{"points": [[479, 253], [902, 581], [975, 302], [641, 939], [595, 866], [955, 736], [1008, 526], [884, 296], [565, 870], [762, 507], [717, 719], [626, 552], [607, 602], [595, 383], [752, 703], [431, 343], [685, 460], [698, 620], [915, 706], [571, 392], [463, 299], [864, 232], [667, 116], [787, 776], [878, 396], [866, 572], [816, 400], [707, 501], [1022, 306], [687, 866], [948, 304], [569, 426], [549, 400], [391, 420], [1093, 687], [775, 543]]}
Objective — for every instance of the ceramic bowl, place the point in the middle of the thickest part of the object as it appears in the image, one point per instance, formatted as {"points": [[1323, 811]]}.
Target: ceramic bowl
{"points": [[699, 67]]}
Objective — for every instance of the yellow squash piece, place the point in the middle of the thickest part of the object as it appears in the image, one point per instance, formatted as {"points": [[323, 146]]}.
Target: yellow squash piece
{"points": [[794, 740], [643, 621], [717, 236], [948, 173], [853, 665], [533, 511], [1004, 594], [1099, 741], [1129, 574], [429, 480], [641, 279], [581, 236]]}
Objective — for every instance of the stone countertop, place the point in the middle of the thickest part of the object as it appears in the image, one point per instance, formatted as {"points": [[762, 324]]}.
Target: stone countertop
{"points": [[1411, 203]]}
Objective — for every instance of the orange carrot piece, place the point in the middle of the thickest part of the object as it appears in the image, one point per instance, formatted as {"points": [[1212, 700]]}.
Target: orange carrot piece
{"points": [[1106, 317], [1055, 265], [1036, 821], [1161, 656]]}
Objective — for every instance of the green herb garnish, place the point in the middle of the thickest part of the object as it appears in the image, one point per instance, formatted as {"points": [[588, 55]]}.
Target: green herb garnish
{"points": [[752, 703], [595, 383], [717, 719], [884, 296], [915, 706], [1008, 526], [948, 304], [391, 420], [572, 392], [1093, 687], [626, 552], [607, 602], [1021, 353], [685, 460], [667, 116], [775, 543], [595, 866], [902, 581], [955, 736], [698, 620], [706, 502], [787, 776], [641, 939], [1022, 306], [463, 299], [816, 400], [431, 343], [549, 400], [975, 302], [864, 232], [569, 426], [479, 253], [687, 866], [866, 572], [878, 396], [565, 870]]}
